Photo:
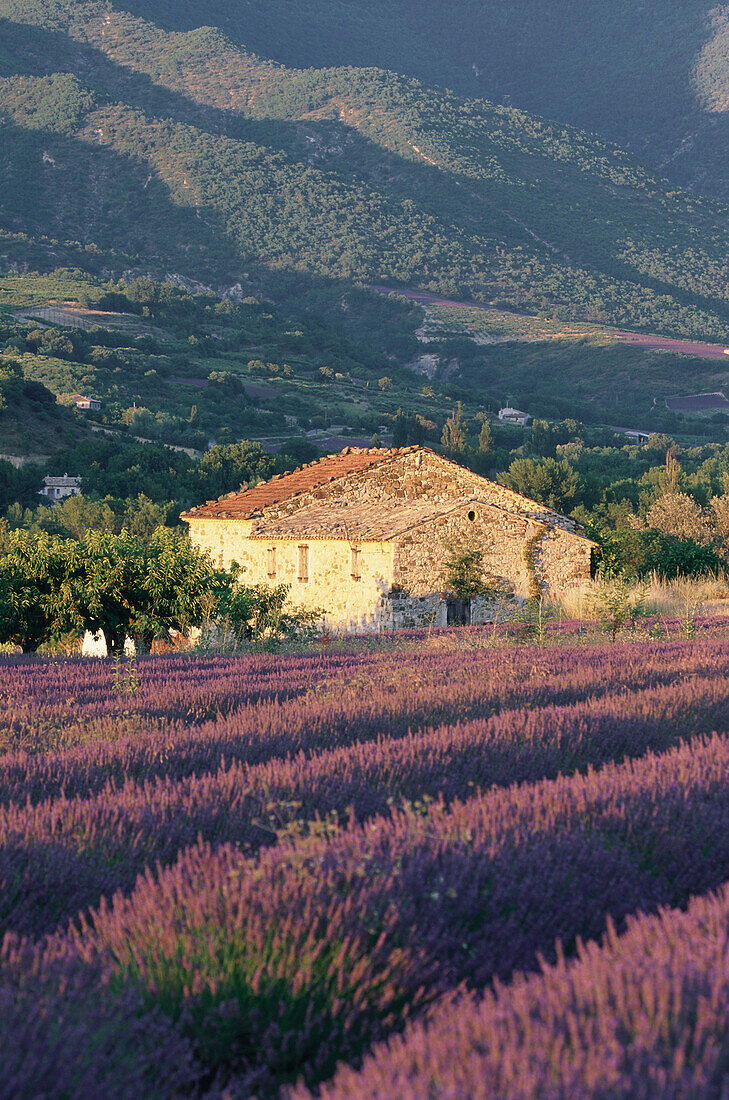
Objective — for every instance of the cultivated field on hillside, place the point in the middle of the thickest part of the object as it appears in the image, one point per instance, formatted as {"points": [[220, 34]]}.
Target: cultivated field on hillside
{"points": [[241, 876]]}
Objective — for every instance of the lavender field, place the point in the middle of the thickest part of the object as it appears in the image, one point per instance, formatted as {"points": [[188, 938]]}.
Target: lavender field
{"points": [[442, 869]]}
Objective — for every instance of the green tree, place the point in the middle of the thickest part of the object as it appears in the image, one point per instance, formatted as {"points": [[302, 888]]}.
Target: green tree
{"points": [[227, 467], [41, 585], [485, 440], [617, 602], [454, 437], [78, 514], [463, 574], [400, 429], [548, 481], [178, 582], [261, 612], [144, 587], [142, 516]]}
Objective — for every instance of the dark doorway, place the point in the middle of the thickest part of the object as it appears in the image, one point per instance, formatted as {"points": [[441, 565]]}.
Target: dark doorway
{"points": [[458, 612]]}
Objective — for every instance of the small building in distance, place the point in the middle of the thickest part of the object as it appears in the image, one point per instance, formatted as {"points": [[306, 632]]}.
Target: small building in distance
{"points": [[56, 488], [514, 416], [82, 402], [364, 536], [635, 435]]}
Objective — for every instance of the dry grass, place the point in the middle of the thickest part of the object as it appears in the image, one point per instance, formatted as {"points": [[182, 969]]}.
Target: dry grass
{"points": [[703, 596]]}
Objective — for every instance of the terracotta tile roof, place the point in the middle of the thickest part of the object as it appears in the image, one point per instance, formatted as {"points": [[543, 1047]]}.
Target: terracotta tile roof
{"points": [[249, 502]]}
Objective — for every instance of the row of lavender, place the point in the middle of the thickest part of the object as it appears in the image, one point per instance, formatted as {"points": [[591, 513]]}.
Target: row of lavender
{"points": [[36, 693], [644, 1016], [38, 697], [304, 956], [314, 704], [282, 942], [61, 854]]}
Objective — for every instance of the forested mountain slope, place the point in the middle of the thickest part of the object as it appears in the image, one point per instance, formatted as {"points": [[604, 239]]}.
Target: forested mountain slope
{"points": [[164, 150], [650, 76]]}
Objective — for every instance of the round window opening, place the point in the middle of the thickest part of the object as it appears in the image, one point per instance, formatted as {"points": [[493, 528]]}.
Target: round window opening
{"points": [[472, 515]]}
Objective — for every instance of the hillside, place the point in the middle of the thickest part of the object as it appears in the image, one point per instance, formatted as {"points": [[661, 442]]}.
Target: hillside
{"points": [[129, 146], [652, 77]]}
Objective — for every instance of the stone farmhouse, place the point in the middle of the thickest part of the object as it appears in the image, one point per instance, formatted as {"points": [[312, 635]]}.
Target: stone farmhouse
{"points": [[364, 534], [57, 488]]}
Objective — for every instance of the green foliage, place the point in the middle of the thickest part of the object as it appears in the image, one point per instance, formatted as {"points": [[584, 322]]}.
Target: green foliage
{"points": [[617, 602], [19, 485], [463, 575], [550, 482], [485, 440], [454, 438], [39, 590], [228, 467], [164, 581], [125, 678], [638, 553], [530, 555], [532, 619], [261, 613], [118, 584]]}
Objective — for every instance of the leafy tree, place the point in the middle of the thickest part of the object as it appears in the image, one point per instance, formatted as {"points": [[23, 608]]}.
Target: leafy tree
{"points": [[177, 583], [145, 587], [227, 467], [400, 429], [77, 514], [143, 291], [548, 481], [634, 553], [142, 516], [679, 515], [485, 440], [454, 437], [616, 602], [118, 584], [40, 589]]}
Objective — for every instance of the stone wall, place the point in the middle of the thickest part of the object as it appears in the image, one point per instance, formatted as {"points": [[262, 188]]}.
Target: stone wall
{"points": [[347, 604], [421, 553], [225, 540]]}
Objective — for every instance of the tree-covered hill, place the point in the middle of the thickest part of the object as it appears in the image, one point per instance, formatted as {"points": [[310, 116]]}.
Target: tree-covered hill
{"points": [[650, 76], [154, 149]]}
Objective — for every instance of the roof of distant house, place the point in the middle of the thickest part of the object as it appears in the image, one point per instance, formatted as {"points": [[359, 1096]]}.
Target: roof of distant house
{"points": [[62, 482]]}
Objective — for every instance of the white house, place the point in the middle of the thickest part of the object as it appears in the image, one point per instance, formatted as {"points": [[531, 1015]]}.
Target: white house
{"points": [[56, 488], [514, 416]]}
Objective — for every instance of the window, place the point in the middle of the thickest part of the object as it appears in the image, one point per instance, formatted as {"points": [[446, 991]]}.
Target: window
{"points": [[271, 567], [356, 574], [303, 564]]}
